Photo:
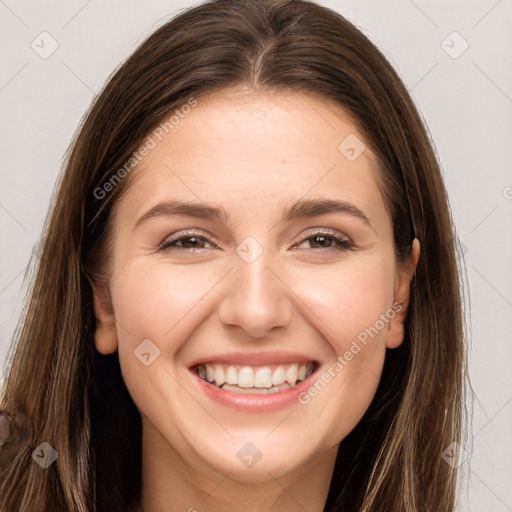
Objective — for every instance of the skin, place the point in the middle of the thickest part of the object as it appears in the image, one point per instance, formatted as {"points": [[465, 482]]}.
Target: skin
{"points": [[251, 153]]}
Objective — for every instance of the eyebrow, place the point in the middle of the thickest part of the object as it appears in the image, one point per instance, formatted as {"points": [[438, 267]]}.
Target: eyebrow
{"points": [[298, 210]]}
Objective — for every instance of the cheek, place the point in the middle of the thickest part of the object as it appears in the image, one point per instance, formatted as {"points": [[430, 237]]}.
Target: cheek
{"points": [[153, 302], [349, 304], [349, 299]]}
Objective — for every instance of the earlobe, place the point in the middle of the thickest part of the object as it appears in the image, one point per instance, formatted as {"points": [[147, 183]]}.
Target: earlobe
{"points": [[395, 334], [105, 335]]}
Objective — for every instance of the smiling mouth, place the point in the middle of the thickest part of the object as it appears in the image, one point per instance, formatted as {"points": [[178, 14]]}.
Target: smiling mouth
{"points": [[255, 379]]}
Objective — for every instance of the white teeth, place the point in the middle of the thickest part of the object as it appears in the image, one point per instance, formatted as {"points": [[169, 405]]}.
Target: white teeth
{"points": [[260, 377], [278, 377], [263, 378], [209, 373], [246, 377], [219, 376], [231, 375], [291, 374], [253, 391], [301, 374]]}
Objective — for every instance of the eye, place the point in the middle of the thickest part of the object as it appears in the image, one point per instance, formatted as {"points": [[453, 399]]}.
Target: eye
{"points": [[188, 240], [328, 241], [192, 241]]}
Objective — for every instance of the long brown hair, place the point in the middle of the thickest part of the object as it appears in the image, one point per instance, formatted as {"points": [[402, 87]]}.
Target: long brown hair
{"points": [[60, 390]]}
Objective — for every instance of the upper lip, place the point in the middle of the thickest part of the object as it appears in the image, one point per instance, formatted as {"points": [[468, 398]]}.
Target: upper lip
{"points": [[255, 358]]}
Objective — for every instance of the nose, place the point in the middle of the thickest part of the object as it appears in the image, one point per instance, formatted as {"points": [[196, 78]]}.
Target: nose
{"points": [[257, 298]]}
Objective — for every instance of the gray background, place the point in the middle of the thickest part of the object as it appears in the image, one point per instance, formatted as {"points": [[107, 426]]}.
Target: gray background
{"points": [[465, 98]]}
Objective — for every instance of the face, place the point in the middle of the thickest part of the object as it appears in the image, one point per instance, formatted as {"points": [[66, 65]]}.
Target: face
{"points": [[281, 269]]}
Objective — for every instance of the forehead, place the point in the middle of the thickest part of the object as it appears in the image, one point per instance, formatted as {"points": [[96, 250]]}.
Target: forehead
{"points": [[250, 149]]}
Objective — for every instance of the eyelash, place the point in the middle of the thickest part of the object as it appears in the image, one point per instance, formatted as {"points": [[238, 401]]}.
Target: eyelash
{"points": [[342, 244]]}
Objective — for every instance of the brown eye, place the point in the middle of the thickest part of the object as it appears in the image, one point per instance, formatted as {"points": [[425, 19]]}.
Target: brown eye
{"points": [[329, 242], [191, 242], [324, 242], [186, 242]]}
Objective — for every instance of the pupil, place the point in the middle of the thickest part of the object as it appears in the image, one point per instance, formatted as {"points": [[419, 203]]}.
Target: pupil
{"points": [[323, 240], [191, 240]]}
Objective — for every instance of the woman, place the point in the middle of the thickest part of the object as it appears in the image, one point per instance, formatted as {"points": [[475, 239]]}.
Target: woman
{"points": [[247, 296]]}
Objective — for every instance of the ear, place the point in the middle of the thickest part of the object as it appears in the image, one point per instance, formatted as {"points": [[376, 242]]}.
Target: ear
{"points": [[105, 336], [395, 334]]}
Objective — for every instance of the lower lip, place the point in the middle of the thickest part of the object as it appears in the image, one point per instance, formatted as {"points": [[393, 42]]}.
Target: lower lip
{"points": [[246, 402]]}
